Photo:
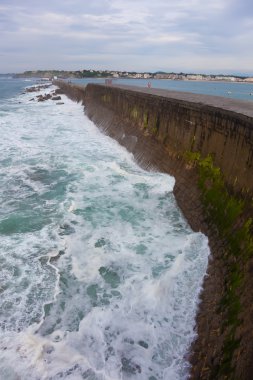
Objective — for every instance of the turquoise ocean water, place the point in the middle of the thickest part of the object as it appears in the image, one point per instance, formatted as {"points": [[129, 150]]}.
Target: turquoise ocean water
{"points": [[100, 272]]}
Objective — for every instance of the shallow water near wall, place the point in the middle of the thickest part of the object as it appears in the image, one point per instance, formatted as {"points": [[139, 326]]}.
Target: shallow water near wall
{"points": [[100, 272]]}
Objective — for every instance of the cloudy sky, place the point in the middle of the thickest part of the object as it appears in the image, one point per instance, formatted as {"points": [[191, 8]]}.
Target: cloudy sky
{"points": [[143, 35]]}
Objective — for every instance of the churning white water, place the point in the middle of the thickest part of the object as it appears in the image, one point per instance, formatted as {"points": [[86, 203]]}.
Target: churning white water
{"points": [[100, 272]]}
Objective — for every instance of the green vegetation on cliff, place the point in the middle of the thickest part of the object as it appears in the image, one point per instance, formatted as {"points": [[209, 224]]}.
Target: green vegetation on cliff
{"points": [[225, 210], [228, 212], [64, 74]]}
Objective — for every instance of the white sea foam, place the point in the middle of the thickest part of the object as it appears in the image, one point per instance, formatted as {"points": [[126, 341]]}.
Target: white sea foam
{"points": [[100, 272]]}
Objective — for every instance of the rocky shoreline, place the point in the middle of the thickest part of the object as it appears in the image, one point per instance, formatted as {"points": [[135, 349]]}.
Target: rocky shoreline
{"points": [[223, 348], [53, 95]]}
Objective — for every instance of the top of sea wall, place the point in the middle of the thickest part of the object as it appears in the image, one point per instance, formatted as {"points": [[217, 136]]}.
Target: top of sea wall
{"points": [[242, 107]]}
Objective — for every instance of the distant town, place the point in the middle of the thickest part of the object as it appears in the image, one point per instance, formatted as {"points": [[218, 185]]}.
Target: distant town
{"points": [[50, 74]]}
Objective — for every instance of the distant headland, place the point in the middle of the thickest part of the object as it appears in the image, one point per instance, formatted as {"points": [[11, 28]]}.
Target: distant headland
{"points": [[62, 74]]}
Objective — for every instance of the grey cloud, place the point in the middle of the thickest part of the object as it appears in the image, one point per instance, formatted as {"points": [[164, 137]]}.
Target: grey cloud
{"points": [[242, 9], [126, 34]]}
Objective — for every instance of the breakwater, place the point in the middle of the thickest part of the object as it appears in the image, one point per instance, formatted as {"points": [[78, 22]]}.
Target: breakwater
{"points": [[206, 143]]}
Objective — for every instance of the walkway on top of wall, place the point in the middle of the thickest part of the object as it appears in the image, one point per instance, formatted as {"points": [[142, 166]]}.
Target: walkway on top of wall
{"points": [[243, 107]]}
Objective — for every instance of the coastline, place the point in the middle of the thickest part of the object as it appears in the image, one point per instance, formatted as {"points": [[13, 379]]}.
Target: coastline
{"points": [[207, 351]]}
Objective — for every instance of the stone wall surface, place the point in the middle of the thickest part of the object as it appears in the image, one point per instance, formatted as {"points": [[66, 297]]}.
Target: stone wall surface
{"points": [[159, 130]]}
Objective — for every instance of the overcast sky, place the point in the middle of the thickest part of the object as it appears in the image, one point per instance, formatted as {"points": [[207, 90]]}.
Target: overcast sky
{"points": [[208, 36]]}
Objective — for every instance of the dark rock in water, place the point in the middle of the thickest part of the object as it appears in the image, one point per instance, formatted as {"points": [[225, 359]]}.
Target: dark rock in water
{"points": [[30, 100], [42, 98], [56, 97], [59, 103], [37, 88], [32, 89]]}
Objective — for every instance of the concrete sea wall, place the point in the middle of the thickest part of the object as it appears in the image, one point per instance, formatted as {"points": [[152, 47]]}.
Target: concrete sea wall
{"points": [[183, 126], [207, 144]]}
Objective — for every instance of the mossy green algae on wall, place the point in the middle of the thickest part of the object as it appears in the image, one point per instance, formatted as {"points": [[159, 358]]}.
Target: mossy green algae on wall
{"points": [[229, 212]]}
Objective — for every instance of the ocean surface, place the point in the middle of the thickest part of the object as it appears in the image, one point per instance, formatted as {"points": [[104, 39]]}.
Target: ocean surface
{"points": [[243, 91], [99, 271]]}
